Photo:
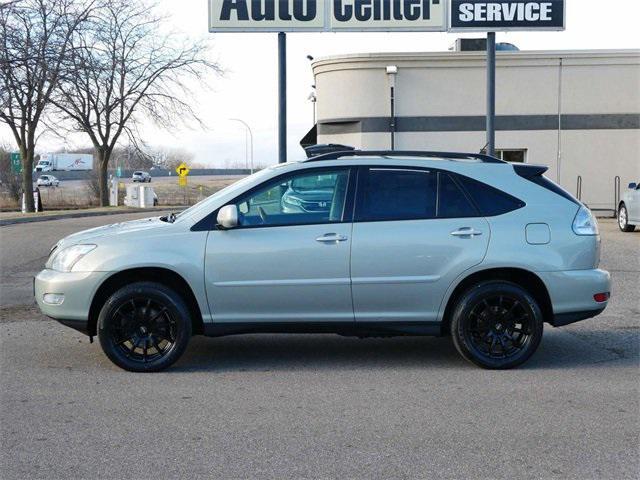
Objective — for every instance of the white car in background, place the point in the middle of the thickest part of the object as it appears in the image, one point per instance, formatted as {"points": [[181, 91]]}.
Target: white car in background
{"points": [[141, 177], [629, 208], [48, 181]]}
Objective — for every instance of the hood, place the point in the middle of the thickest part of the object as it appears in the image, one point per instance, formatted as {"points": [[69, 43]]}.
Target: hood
{"points": [[94, 234]]}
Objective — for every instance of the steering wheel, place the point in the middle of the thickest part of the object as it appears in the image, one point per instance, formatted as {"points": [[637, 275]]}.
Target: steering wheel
{"points": [[263, 215]]}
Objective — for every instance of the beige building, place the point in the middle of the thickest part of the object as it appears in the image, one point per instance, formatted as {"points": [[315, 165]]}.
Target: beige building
{"points": [[577, 112]]}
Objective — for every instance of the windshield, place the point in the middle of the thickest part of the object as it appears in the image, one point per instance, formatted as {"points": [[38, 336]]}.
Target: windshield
{"points": [[205, 204]]}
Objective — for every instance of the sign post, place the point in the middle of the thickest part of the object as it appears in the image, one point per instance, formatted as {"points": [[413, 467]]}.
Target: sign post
{"points": [[282, 97], [282, 16], [497, 16], [491, 93], [182, 170]]}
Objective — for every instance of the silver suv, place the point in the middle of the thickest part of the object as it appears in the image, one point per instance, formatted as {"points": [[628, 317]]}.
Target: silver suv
{"points": [[412, 243]]}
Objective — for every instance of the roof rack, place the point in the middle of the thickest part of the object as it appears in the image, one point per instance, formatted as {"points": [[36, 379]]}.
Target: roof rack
{"points": [[408, 153]]}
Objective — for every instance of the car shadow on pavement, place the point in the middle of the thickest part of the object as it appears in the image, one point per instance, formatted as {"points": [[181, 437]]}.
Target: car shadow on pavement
{"points": [[559, 350]]}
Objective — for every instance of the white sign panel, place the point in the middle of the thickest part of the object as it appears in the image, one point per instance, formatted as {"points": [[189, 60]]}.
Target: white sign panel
{"points": [[505, 15], [327, 15]]}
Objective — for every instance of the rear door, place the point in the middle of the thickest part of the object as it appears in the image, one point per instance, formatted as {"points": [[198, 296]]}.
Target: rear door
{"points": [[414, 232]]}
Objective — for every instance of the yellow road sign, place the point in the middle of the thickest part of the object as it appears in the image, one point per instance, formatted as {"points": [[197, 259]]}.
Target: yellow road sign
{"points": [[182, 170], [182, 181]]}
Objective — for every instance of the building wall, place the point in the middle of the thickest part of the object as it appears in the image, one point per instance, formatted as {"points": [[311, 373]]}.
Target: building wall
{"points": [[577, 112]]}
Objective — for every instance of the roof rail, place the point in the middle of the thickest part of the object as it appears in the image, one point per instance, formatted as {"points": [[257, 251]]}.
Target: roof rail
{"points": [[408, 153]]}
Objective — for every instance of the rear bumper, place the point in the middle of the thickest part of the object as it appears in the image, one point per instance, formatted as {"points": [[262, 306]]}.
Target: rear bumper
{"points": [[572, 294], [563, 319]]}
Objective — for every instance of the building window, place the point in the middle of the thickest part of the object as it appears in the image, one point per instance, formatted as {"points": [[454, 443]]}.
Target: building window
{"points": [[512, 155]]}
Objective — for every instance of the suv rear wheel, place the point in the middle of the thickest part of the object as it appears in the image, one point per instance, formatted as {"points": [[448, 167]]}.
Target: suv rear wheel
{"points": [[623, 219], [144, 327], [497, 325]]}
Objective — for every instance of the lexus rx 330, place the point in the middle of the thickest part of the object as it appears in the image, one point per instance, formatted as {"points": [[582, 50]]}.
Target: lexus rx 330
{"points": [[414, 243]]}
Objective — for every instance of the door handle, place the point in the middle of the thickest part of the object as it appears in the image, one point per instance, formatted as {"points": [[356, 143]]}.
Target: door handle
{"points": [[466, 232], [331, 238]]}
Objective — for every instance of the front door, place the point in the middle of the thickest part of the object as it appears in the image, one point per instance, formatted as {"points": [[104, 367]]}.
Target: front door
{"points": [[288, 260], [414, 232]]}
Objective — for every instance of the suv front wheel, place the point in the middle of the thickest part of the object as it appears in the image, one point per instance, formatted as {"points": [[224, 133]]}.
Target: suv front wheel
{"points": [[497, 325], [144, 327]]}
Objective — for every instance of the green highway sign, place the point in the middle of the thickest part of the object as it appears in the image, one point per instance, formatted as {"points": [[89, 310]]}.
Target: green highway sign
{"points": [[16, 163]]}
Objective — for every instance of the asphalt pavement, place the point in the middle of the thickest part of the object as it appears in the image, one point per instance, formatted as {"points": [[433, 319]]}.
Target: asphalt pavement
{"points": [[316, 406]]}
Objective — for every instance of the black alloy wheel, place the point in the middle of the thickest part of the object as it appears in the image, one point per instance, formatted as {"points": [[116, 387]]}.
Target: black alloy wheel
{"points": [[144, 327], [497, 325]]}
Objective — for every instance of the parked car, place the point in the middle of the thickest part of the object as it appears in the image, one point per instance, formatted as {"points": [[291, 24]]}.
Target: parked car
{"points": [[629, 208], [141, 177], [438, 244], [308, 195], [47, 181]]}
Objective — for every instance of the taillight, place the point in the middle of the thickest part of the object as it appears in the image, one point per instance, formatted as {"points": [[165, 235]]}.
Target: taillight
{"points": [[601, 297], [585, 222]]}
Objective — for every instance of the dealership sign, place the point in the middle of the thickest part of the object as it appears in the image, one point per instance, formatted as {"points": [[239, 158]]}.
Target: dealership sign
{"points": [[327, 15], [504, 15], [384, 15]]}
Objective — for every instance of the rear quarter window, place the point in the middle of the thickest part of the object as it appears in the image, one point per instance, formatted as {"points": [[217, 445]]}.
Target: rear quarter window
{"points": [[490, 201]]}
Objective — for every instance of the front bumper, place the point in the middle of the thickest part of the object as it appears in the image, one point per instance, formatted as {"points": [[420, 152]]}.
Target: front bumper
{"points": [[572, 294], [78, 289]]}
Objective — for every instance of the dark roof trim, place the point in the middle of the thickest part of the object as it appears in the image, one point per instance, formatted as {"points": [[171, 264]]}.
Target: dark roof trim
{"points": [[409, 153]]}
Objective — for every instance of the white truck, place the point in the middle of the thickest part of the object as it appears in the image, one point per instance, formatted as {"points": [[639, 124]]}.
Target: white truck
{"points": [[52, 162]]}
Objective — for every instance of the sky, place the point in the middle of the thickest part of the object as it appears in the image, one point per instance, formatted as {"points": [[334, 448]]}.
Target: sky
{"points": [[248, 90]]}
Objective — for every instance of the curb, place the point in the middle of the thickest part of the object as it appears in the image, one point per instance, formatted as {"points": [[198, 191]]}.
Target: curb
{"points": [[17, 221]]}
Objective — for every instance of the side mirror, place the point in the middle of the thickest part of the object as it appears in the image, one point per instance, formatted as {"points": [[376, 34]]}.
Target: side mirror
{"points": [[633, 186], [228, 217]]}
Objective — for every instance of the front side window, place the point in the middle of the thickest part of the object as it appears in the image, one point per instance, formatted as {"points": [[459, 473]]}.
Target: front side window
{"points": [[303, 198], [397, 194]]}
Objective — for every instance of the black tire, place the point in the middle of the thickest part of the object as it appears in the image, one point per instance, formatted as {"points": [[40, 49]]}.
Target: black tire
{"points": [[623, 219], [144, 327], [497, 325]]}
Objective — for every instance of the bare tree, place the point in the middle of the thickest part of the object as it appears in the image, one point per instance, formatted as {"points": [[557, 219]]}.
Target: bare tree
{"points": [[171, 157], [34, 41], [128, 67]]}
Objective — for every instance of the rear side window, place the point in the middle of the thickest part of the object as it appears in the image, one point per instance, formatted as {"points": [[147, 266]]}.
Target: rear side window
{"points": [[397, 194], [489, 200], [452, 202]]}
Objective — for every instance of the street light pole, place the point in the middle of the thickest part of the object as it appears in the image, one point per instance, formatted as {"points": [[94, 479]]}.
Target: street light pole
{"points": [[250, 137]]}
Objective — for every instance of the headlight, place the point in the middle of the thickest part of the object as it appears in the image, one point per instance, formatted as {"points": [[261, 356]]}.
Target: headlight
{"points": [[585, 223], [65, 259]]}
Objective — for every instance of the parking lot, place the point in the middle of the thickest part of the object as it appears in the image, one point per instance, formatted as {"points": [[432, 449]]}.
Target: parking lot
{"points": [[316, 406]]}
